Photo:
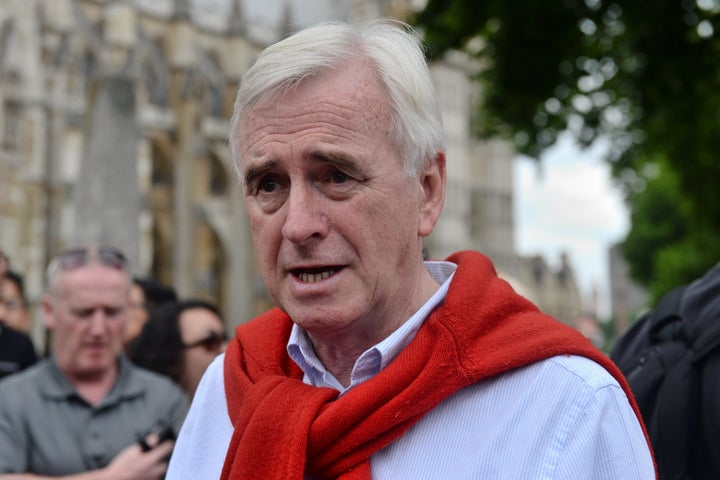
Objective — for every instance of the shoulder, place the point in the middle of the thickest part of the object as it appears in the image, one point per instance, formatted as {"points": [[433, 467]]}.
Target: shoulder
{"points": [[558, 389], [152, 383], [570, 379], [582, 370], [550, 392], [565, 417], [569, 393], [24, 388], [30, 378]]}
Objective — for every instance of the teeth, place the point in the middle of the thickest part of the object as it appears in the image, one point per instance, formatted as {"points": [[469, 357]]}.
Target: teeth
{"points": [[314, 277]]}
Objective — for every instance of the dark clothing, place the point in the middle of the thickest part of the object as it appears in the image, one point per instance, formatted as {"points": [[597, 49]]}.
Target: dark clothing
{"points": [[16, 351], [671, 358], [701, 310]]}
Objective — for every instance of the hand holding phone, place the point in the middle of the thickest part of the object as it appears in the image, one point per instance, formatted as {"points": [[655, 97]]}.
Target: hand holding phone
{"points": [[161, 431]]}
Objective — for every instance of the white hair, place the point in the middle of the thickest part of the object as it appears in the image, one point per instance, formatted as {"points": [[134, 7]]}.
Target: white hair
{"points": [[396, 53]]}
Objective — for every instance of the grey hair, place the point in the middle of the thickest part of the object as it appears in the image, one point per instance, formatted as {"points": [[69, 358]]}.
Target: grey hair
{"points": [[396, 52], [92, 255]]}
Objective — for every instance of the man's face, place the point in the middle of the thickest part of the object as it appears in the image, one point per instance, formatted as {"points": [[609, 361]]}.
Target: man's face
{"points": [[86, 313], [336, 224], [13, 311]]}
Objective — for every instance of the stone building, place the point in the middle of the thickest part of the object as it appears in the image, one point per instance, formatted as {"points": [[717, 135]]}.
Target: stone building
{"points": [[113, 123]]}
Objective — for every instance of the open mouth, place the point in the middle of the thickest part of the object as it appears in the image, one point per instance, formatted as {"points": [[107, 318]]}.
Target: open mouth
{"points": [[312, 275]]}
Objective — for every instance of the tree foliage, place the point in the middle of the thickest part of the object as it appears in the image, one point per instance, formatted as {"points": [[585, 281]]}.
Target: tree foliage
{"points": [[666, 245], [643, 74]]}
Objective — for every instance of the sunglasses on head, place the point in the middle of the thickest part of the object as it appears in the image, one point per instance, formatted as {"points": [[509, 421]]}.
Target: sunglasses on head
{"points": [[79, 257], [212, 342]]}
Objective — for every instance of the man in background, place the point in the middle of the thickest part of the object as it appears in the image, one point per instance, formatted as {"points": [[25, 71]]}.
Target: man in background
{"points": [[86, 408]]}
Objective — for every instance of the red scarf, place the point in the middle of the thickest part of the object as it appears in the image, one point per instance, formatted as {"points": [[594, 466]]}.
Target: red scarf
{"points": [[285, 428]]}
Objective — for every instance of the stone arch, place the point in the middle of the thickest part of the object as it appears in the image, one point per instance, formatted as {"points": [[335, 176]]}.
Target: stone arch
{"points": [[88, 44], [213, 84], [76, 56], [152, 71]]}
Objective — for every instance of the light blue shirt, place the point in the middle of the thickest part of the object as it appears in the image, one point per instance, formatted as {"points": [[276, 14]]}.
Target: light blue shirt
{"points": [[562, 418]]}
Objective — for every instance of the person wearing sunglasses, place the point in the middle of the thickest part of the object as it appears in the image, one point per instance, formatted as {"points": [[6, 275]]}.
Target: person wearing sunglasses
{"points": [[86, 408], [180, 340]]}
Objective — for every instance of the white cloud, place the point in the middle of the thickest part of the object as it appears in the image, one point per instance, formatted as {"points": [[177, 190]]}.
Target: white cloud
{"points": [[568, 203]]}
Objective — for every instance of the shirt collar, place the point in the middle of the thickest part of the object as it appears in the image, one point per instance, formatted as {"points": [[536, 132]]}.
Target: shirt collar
{"points": [[377, 357], [56, 385]]}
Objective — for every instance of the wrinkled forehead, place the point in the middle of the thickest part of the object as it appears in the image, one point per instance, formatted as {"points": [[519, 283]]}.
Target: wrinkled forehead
{"points": [[350, 98], [353, 87]]}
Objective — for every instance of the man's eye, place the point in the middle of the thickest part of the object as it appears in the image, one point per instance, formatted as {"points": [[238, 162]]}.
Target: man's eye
{"points": [[268, 186], [84, 313], [339, 177], [113, 311]]}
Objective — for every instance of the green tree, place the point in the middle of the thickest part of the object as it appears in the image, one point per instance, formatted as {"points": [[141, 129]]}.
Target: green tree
{"points": [[643, 74], [666, 245]]}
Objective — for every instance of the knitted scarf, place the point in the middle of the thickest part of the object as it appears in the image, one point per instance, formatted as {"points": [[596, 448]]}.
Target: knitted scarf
{"points": [[284, 429]]}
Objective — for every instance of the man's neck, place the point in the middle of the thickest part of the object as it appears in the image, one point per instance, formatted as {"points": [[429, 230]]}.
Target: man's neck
{"points": [[339, 353], [339, 361], [94, 388]]}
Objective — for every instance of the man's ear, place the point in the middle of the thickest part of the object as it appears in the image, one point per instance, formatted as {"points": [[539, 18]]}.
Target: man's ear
{"points": [[48, 311], [432, 182]]}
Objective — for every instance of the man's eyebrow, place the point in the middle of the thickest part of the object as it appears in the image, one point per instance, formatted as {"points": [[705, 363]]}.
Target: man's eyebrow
{"points": [[346, 162], [255, 171]]}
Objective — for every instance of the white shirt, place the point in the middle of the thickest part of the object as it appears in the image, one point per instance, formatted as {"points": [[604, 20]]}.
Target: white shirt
{"points": [[562, 418]]}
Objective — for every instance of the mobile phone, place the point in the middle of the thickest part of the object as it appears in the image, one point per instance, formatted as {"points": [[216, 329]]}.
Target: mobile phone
{"points": [[164, 433]]}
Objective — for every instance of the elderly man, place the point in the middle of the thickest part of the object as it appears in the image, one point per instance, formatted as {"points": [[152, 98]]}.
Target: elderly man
{"points": [[376, 364], [87, 409]]}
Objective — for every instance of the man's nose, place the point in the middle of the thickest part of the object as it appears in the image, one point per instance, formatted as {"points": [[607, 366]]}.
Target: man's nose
{"points": [[304, 215], [98, 321]]}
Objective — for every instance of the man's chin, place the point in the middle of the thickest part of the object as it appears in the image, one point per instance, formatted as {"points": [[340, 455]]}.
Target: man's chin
{"points": [[94, 368]]}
